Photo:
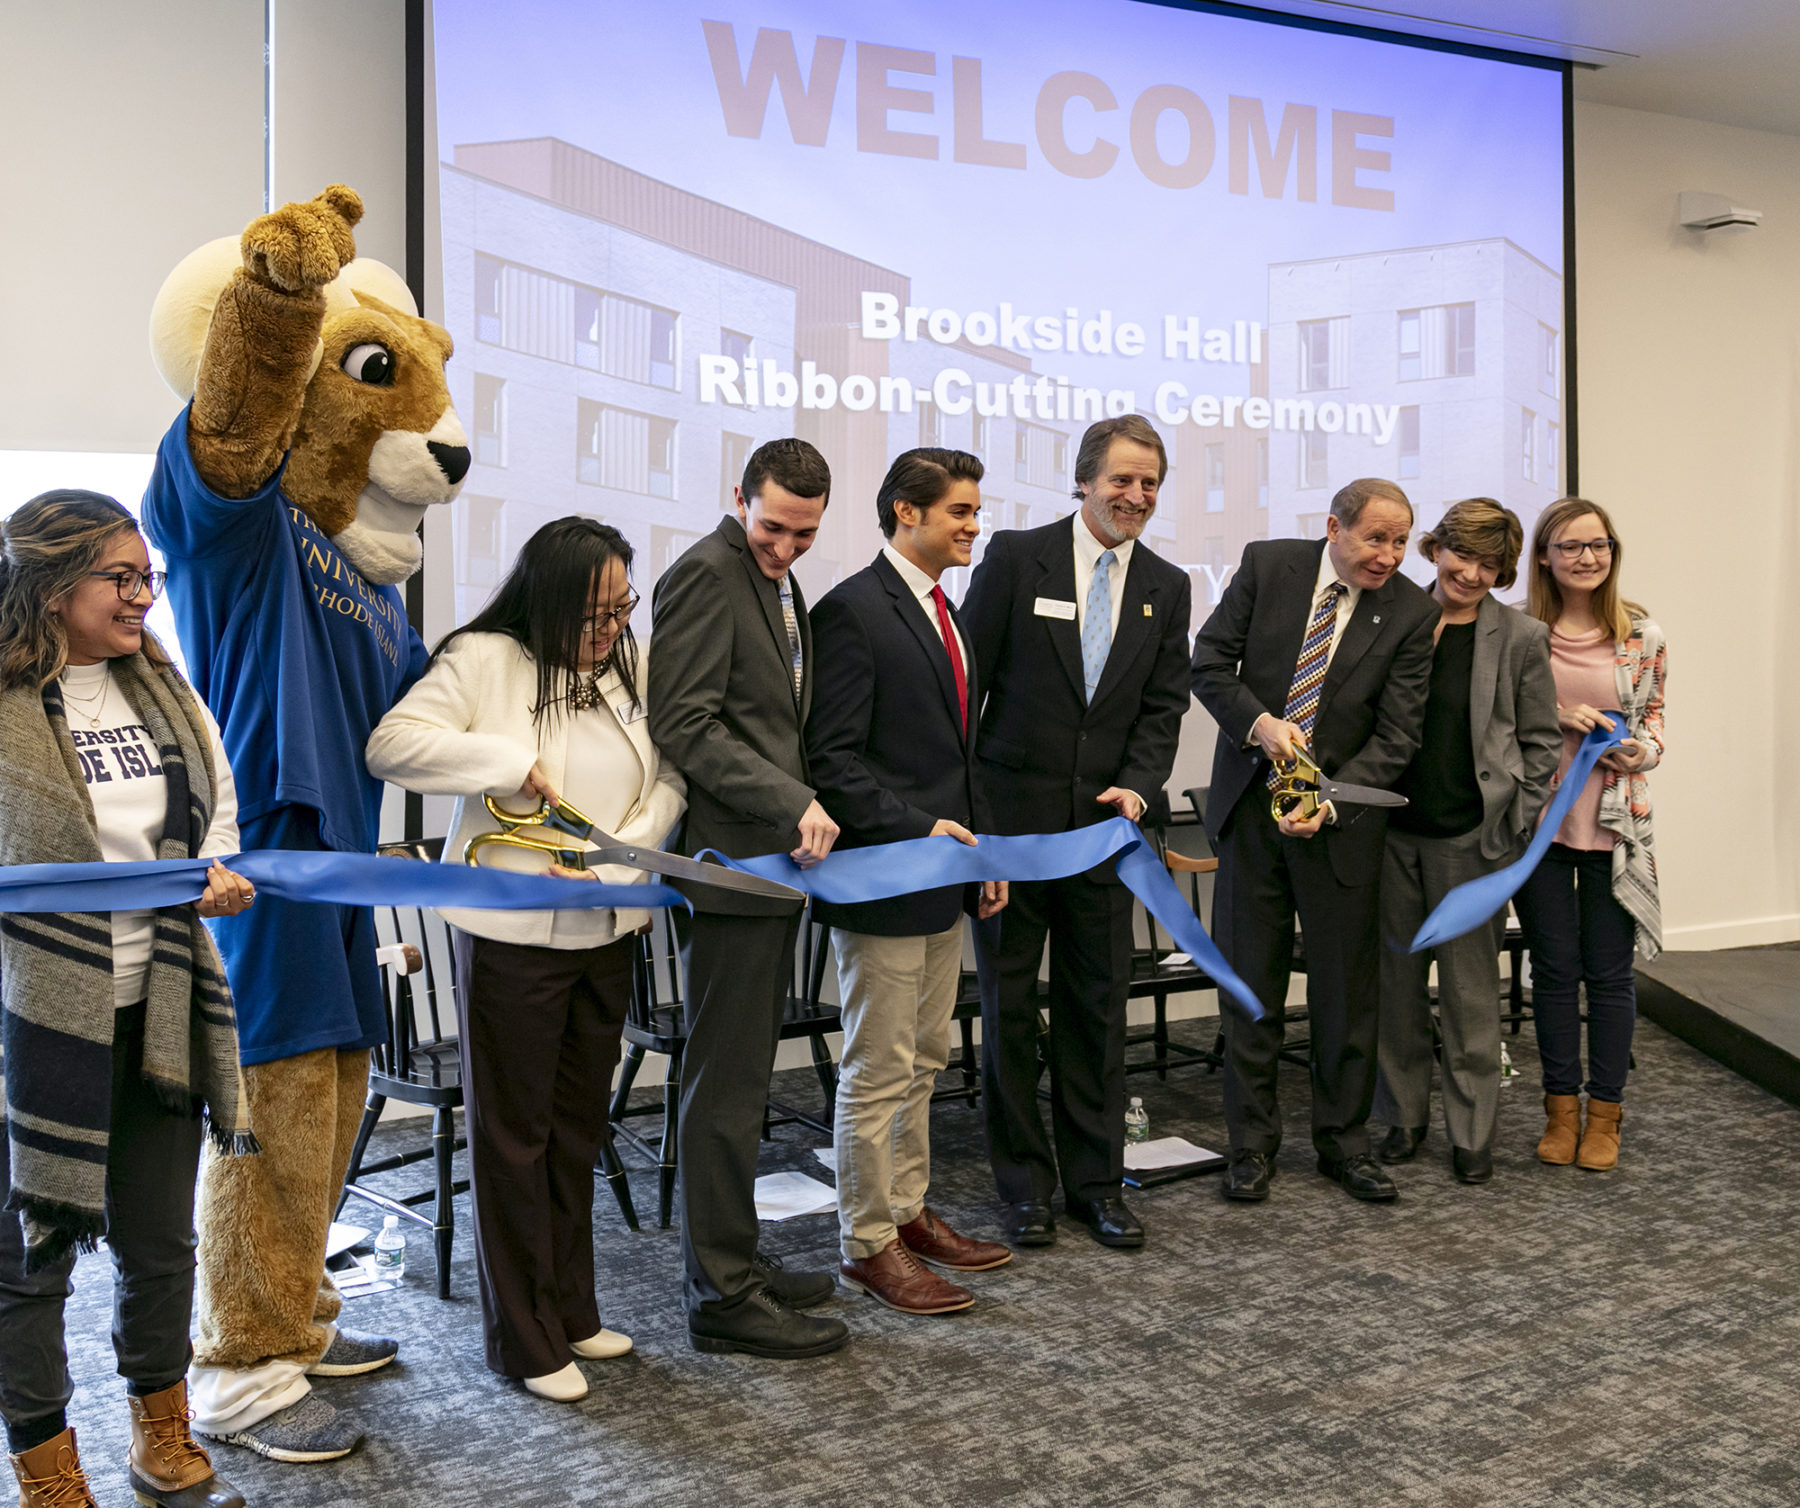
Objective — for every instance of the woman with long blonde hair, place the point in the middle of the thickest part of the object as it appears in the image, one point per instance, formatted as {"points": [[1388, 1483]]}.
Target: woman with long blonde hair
{"points": [[1593, 901]]}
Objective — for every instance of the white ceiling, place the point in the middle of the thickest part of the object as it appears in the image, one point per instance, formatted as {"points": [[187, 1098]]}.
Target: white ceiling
{"points": [[1733, 61]]}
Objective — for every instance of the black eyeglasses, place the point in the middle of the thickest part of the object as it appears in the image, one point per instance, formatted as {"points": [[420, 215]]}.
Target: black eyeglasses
{"points": [[1570, 549], [130, 583], [616, 615]]}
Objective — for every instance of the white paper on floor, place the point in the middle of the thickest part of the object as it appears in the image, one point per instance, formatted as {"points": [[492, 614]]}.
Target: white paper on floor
{"points": [[826, 1155], [1174, 961], [782, 1196], [343, 1237], [362, 1279], [1164, 1152]]}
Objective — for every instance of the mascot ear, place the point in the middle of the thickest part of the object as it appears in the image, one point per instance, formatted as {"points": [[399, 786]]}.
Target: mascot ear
{"points": [[183, 309], [377, 279]]}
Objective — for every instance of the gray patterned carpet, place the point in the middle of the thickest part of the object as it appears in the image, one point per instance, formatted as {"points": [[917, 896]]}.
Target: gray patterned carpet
{"points": [[1556, 1338]]}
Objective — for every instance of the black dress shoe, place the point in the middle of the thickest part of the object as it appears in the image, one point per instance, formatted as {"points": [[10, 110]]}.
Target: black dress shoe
{"points": [[764, 1326], [1360, 1176], [1472, 1167], [1028, 1223], [1248, 1176], [1401, 1142], [1109, 1221], [798, 1290]]}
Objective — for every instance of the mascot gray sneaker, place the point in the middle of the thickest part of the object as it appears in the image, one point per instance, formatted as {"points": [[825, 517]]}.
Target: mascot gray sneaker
{"points": [[310, 1430]]}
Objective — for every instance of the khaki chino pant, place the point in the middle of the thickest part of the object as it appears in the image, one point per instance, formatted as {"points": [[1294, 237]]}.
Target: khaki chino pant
{"points": [[898, 994]]}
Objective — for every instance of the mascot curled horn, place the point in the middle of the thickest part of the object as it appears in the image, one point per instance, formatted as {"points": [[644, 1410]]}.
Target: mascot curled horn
{"points": [[286, 501]]}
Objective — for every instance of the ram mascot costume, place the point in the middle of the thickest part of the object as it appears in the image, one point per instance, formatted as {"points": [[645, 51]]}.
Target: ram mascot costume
{"points": [[286, 502]]}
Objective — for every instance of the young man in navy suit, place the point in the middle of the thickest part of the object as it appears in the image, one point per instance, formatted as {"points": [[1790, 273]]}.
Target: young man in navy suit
{"points": [[891, 744], [1081, 633]]}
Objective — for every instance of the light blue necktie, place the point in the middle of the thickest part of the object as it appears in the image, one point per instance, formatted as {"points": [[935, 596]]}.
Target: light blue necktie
{"points": [[1096, 630]]}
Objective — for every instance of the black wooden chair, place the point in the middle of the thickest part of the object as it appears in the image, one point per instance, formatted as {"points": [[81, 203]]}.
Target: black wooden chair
{"points": [[1154, 976], [656, 1024], [417, 1065]]}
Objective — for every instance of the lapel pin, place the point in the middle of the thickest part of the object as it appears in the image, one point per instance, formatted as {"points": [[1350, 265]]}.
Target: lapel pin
{"points": [[1376, 618], [1147, 612]]}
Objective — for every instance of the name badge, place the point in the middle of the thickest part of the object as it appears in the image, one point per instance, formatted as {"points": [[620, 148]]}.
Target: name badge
{"points": [[1050, 607], [630, 714]]}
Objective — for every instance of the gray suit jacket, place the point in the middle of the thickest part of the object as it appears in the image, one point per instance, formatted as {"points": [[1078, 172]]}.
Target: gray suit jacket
{"points": [[722, 705], [1512, 716]]}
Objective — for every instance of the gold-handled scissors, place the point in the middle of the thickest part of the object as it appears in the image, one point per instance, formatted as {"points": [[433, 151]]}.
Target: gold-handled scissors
{"points": [[1301, 788], [546, 829]]}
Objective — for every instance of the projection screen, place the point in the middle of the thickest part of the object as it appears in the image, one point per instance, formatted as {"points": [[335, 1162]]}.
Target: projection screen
{"points": [[672, 232]]}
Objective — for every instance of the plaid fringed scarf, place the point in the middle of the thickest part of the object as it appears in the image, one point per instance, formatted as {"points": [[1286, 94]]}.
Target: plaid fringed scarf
{"points": [[56, 991]]}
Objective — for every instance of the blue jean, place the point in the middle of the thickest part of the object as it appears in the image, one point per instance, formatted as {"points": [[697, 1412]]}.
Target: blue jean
{"points": [[1578, 934]]}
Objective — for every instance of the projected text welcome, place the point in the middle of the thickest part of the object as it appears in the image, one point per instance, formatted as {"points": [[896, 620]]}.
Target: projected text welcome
{"points": [[1073, 121]]}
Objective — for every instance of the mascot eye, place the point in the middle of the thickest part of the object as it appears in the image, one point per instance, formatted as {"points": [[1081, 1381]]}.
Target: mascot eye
{"points": [[370, 363]]}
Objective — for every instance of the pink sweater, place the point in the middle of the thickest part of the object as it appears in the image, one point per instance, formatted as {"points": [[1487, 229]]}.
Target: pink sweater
{"points": [[1584, 671]]}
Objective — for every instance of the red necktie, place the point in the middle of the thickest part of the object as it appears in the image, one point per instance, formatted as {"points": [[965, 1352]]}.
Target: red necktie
{"points": [[956, 665]]}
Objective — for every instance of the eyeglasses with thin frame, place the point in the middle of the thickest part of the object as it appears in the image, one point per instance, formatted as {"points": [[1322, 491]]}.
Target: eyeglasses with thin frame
{"points": [[129, 583], [1571, 549], [618, 615]]}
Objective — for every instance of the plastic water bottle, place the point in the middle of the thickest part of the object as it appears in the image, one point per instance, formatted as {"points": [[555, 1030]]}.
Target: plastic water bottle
{"points": [[1137, 1121], [1507, 1072], [390, 1249]]}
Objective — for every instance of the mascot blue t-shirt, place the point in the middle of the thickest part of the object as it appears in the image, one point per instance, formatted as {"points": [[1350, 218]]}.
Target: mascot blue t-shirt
{"points": [[298, 657]]}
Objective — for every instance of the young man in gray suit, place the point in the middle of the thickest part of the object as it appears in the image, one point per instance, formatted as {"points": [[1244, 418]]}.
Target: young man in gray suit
{"points": [[729, 689]]}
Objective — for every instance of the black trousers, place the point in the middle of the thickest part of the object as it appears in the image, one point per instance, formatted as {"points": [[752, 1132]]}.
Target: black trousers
{"points": [[540, 1039], [152, 1157], [738, 969], [1264, 879], [1089, 927]]}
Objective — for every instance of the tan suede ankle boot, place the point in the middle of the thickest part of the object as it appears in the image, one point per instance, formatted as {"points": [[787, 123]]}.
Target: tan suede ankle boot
{"points": [[50, 1475], [1562, 1129], [168, 1470], [1600, 1137]]}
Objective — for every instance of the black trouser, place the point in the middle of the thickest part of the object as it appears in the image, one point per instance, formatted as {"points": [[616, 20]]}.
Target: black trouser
{"points": [[1579, 935], [540, 1034], [1089, 926], [152, 1157], [1264, 878], [738, 969]]}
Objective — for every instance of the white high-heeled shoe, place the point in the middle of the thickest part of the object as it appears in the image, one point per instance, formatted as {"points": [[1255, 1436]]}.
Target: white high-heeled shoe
{"points": [[559, 1387], [603, 1345]]}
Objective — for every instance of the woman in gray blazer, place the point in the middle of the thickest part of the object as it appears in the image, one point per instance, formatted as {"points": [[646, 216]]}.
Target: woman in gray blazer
{"points": [[1475, 788]]}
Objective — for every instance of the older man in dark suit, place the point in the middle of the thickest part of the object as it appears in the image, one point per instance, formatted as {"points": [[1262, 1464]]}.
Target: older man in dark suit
{"points": [[729, 688], [892, 745], [1081, 633], [1323, 644]]}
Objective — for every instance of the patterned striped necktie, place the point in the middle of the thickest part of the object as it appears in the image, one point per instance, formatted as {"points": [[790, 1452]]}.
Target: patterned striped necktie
{"points": [[1309, 670], [785, 590]]}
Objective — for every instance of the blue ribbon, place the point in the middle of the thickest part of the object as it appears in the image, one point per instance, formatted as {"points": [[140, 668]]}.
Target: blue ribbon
{"points": [[1475, 902], [846, 877], [850, 876]]}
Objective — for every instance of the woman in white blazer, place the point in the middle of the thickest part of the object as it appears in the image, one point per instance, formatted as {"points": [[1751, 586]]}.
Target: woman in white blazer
{"points": [[541, 695]]}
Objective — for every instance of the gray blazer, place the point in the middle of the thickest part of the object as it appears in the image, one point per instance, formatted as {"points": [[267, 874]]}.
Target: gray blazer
{"points": [[1512, 715], [722, 705]]}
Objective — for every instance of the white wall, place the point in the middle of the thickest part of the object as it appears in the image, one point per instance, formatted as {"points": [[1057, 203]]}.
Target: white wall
{"points": [[1689, 418]]}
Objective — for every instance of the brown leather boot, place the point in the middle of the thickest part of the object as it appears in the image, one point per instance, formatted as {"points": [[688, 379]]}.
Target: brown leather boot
{"points": [[1562, 1131], [50, 1475], [898, 1279], [1600, 1137], [168, 1470]]}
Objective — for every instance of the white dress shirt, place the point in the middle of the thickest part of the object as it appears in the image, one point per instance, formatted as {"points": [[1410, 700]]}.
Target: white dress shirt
{"points": [[1088, 551], [921, 585]]}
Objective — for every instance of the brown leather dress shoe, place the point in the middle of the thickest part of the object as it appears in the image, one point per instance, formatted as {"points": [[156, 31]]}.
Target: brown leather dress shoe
{"points": [[898, 1279], [929, 1237]]}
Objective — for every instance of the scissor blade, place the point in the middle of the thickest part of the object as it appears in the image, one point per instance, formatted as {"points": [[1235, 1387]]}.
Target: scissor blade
{"points": [[1357, 795], [675, 867]]}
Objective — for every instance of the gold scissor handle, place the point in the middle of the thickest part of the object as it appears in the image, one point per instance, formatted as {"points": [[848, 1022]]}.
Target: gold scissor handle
{"points": [[1296, 787], [534, 831]]}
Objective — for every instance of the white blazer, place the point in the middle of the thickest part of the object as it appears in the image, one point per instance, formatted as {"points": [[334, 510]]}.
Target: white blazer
{"points": [[465, 730]]}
